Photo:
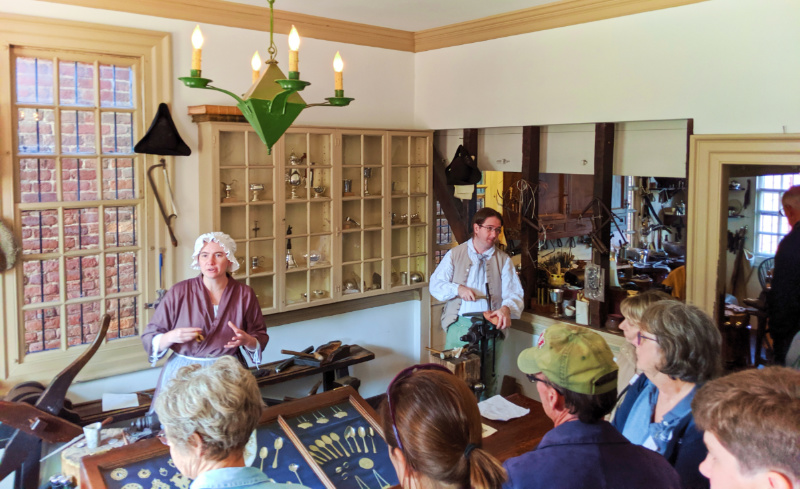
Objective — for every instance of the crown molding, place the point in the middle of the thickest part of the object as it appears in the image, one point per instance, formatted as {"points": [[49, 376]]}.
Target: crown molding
{"points": [[232, 14], [550, 16]]}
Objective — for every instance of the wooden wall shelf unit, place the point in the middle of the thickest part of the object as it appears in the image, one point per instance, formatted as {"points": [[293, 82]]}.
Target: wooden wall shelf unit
{"points": [[358, 203]]}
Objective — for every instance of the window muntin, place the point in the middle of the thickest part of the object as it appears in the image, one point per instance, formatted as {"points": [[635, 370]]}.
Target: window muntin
{"points": [[76, 120]]}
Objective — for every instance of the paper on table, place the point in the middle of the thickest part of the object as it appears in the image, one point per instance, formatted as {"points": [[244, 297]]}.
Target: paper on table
{"points": [[487, 431], [119, 401], [499, 409]]}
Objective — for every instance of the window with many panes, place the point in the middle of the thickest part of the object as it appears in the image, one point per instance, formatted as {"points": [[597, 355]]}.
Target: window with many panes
{"points": [[442, 235], [771, 226], [79, 197]]}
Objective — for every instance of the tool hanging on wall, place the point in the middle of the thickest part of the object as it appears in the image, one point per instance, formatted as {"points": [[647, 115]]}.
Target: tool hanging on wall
{"points": [[163, 139], [601, 217]]}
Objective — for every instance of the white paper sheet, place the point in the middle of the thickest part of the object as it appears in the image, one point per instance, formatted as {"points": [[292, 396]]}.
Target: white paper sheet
{"points": [[499, 409], [487, 431], [119, 401]]}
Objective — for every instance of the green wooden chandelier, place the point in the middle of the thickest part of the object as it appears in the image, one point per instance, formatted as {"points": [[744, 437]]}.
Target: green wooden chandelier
{"points": [[272, 103]]}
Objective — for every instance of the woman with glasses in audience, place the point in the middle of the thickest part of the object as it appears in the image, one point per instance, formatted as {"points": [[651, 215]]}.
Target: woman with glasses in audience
{"points": [[677, 349], [208, 414], [632, 309], [433, 428]]}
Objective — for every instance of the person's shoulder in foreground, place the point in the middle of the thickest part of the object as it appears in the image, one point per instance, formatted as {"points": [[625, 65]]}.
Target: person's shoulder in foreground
{"points": [[751, 421], [576, 379], [238, 478], [582, 455]]}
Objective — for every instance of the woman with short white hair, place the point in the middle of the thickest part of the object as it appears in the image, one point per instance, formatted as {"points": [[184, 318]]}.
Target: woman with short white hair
{"points": [[208, 415], [206, 317]]}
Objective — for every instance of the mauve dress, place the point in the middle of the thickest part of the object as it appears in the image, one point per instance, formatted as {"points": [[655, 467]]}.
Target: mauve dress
{"points": [[188, 305]]}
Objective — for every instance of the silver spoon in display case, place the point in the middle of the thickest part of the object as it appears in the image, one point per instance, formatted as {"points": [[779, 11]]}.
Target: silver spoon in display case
{"points": [[328, 441], [293, 468], [321, 444], [363, 434], [263, 454], [336, 438], [350, 432], [321, 453], [278, 446], [372, 439]]}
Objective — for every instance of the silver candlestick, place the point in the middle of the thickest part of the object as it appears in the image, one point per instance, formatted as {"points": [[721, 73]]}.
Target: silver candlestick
{"points": [[367, 174]]}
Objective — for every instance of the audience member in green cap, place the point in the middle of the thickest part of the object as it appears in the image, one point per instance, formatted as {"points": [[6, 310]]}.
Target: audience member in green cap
{"points": [[576, 379]]}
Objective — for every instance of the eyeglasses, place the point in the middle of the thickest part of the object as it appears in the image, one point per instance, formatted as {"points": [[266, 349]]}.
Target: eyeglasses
{"points": [[781, 212], [640, 336], [534, 379], [496, 230], [408, 372], [162, 437]]}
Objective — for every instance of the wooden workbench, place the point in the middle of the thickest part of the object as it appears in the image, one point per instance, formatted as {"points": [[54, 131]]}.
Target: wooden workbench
{"points": [[92, 411], [519, 435]]}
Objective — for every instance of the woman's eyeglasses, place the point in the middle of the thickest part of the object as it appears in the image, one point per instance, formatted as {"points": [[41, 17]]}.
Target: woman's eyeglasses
{"points": [[408, 372], [640, 336], [162, 437]]}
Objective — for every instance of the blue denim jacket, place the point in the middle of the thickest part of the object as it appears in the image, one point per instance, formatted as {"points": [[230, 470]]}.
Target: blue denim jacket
{"points": [[238, 477]]}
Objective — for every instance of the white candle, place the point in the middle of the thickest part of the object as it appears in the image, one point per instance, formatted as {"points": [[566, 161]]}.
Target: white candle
{"points": [[294, 46], [197, 44], [338, 66]]}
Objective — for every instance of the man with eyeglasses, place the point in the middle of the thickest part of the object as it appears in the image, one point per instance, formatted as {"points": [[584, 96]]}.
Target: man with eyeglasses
{"points": [[783, 299], [462, 278], [576, 379]]}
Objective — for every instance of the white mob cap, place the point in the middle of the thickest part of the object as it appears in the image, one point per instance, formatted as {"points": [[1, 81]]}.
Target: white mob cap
{"points": [[221, 239]]}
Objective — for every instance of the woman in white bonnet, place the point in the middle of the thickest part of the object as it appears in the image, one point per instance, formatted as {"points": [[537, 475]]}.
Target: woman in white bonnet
{"points": [[206, 317]]}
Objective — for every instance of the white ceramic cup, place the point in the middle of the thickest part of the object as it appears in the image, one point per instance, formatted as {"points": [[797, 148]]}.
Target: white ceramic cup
{"points": [[92, 433], [569, 311]]}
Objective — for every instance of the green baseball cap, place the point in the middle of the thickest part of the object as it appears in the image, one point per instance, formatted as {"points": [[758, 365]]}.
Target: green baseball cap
{"points": [[572, 357]]}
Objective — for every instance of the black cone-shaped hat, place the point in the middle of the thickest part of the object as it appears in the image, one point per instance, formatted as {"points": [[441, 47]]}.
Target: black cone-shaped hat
{"points": [[162, 138]]}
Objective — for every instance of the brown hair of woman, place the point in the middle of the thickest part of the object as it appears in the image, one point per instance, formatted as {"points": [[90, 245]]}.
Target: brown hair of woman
{"points": [[439, 426]]}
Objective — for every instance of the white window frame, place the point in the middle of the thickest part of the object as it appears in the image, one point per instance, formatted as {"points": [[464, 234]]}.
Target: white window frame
{"points": [[153, 50]]}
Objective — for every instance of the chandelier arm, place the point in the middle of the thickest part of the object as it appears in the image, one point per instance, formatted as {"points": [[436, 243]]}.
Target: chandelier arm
{"points": [[238, 99]]}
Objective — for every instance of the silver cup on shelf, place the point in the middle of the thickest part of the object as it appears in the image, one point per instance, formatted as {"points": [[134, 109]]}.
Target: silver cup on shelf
{"points": [[256, 188]]}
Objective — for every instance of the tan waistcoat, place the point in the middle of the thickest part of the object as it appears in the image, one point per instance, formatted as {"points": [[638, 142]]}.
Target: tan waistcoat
{"points": [[461, 266]]}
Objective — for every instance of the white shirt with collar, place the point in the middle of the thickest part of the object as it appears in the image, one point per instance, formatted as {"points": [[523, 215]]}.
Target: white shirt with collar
{"points": [[443, 289]]}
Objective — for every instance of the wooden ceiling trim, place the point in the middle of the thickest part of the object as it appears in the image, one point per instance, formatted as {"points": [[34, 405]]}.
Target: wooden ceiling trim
{"points": [[232, 14], [550, 16]]}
